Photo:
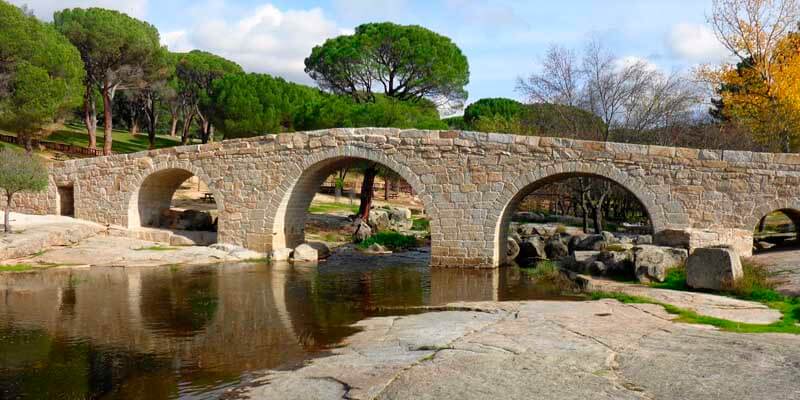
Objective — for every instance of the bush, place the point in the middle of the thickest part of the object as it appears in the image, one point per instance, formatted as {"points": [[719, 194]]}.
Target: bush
{"points": [[391, 240], [421, 224]]}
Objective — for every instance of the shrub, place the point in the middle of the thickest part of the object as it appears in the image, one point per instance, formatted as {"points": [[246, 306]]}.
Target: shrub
{"points": [[421, 224], [390, 240]]}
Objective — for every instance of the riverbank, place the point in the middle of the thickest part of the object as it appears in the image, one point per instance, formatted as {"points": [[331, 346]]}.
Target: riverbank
{"points": [[549, 350]]}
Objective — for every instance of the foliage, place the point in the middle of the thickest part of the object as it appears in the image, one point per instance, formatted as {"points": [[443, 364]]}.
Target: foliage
{"points": [[196, 72], [769, 107], [254, 104], [503, 115], [506, 108], [41, 74], [405, 62], [20, 172], [117, 52], [391, 240], [251, 104], [420, 224]]}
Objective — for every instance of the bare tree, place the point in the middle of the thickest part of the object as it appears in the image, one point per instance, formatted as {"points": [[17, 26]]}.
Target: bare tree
{"points": [[752, 29], [628, 96]]}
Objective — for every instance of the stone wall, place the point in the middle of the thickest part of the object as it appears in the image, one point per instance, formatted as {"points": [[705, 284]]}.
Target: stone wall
{"points": [[469, 183]]}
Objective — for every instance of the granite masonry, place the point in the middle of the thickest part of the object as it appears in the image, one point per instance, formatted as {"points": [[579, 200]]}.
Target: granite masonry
{"points": [[470, 184]]}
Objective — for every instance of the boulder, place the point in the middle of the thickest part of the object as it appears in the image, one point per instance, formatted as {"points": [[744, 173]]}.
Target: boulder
{"points": [[527, 230], [590, 242], [643, 239], [401, 213], [609, 237], [713, 268], [532, 248], [361, 230], [556, 249], [616, 262], [512, 249], [281, 254], [651, 263], [580, 261], [379, 220], [598, 268], [323, 251], [305, 253]]}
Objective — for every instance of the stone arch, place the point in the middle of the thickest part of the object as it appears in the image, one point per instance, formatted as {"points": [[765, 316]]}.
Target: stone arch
{"points": [[525, 184], [297, 191], [154, 186], [790, 207]]}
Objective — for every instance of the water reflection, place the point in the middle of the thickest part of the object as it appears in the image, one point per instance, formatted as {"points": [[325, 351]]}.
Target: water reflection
{"points": [[192, 332]]}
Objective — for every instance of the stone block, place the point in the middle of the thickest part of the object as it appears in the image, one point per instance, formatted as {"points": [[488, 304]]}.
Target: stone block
{"points": [[713, 268]]}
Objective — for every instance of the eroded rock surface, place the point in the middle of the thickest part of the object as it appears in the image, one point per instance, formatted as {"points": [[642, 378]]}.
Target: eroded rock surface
{"points": [[544, 350]]}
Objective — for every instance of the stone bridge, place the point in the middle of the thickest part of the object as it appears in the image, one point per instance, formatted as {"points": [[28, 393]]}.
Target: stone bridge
{"points": [[470, 183]]}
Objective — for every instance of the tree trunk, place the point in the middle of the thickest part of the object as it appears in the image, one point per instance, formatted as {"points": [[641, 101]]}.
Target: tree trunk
{"points": [[597, 219], [187, 125], [173, 130], [366, 192], [151, 112], [90, 117], [585, 215], [7, 216], [28, 143], [134, 126], [762, 224], [107, 123]]}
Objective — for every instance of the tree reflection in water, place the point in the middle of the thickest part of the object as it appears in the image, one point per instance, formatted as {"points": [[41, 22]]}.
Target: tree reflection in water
{"points": [[196, 331]]}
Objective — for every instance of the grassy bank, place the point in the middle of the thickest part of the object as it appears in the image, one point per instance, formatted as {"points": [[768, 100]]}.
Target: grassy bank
{"points": [[123, 142], [754, 286]]}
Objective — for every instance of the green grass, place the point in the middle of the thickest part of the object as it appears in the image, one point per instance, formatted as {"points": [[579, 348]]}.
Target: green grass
{"points": [[157, 247], [547, 270], [788, 323], [421, 224], [22, 267], [124, 142], [16, 267], [754, 286], [616, 248], [391, 240], [331, 208]]}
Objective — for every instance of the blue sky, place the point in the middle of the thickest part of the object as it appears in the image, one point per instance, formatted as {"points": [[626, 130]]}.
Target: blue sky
{"points": [[502, 39]]}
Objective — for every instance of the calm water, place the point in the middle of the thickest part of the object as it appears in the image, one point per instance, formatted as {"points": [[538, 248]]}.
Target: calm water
{"points": [[193, 332]]}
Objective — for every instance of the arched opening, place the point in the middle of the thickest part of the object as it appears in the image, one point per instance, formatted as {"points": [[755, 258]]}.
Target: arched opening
{"points": [[325, 205], [178, 203], [557, 215], [776, 230]]}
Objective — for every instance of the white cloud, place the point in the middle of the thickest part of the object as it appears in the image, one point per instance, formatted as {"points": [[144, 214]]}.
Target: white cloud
{"points": [[696, 43], [44, 9], [633, 60], [265, 39], [177, 41]]}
